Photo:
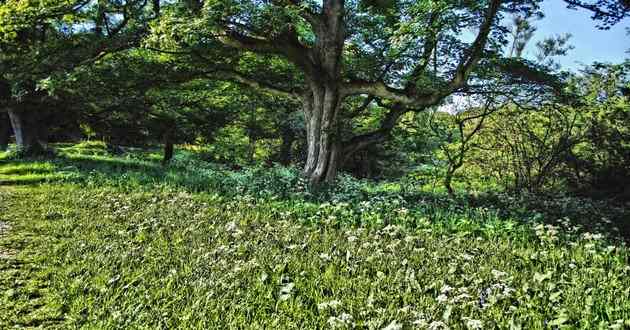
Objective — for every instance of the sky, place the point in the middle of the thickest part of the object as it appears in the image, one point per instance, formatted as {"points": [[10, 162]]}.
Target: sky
{"points": [[591, 44]]}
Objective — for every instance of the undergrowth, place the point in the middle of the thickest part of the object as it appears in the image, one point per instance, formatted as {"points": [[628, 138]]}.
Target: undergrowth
{"points": [[122, 242]]}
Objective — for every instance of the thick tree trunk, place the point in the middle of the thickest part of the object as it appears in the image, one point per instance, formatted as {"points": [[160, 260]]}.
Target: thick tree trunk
{"points": [[322, 103], [27, 132], [321, 109], [5, 131]]}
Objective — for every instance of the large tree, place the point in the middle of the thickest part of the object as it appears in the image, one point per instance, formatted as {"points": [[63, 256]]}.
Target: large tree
{"points": [[41, 39], [405, 55]]}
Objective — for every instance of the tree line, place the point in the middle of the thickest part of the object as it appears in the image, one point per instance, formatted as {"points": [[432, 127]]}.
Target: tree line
{"points": [[364, 86]]}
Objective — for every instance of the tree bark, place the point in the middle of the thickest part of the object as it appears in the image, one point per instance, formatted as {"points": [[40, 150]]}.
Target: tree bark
{"points": [[321, 109], [168, 148], [448, 179], [27, 132], [5, 131], [284, 156], [322, 101]]}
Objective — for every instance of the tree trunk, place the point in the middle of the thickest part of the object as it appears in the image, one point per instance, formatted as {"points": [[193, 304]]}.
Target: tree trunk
{"points": [[5, 131], [168, 148], [448, 184], [322, 103], [284, 155], [321, 109], [27, 132]]}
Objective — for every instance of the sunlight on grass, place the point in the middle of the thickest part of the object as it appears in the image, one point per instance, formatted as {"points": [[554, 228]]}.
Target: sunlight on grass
{"points": [[25, 179], [14, 168], [123, 242], [174, 259]]}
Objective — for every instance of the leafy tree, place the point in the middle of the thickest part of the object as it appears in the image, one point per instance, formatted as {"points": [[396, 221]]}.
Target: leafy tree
{"points": [[43, 38], [600, 163], [608, 12], [458, 130], [406, 54]]}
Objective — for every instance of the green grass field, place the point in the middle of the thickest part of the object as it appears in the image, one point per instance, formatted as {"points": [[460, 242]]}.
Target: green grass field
{"points": [[94, 241]]}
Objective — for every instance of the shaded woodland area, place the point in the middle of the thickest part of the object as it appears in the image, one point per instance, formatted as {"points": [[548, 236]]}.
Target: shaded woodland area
{"points": [[354, 86]]}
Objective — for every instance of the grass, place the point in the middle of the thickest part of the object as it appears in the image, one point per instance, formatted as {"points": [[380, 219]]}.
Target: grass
{"points": [[125, 243]]}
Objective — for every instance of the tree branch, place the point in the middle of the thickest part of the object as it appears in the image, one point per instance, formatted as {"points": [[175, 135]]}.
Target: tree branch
{"points": [[414, 97], [243, 79], [286, 44], [362, 141], [475, 51]]}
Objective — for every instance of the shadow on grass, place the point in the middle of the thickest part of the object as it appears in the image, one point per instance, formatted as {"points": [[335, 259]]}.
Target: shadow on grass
{"points": [[139, 173]]}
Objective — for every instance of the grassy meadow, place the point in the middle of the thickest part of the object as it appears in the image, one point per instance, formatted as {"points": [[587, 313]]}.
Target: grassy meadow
{"points": [[96, 241]]}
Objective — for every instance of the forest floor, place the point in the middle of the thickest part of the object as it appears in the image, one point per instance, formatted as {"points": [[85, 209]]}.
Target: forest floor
{"points": [[98, 241]]}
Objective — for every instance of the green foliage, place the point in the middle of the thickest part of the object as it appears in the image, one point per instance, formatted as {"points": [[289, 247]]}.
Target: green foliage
{"points": [[133, 245], [556, 147]]}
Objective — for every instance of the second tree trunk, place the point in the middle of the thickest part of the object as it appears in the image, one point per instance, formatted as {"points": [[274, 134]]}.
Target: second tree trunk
{"points": [[28, 132], [5, 131]]}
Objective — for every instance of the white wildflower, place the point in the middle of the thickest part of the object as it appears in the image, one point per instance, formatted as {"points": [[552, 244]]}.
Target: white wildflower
{"points": [[333, 304], [498, 274], [231, 226], [446, 289], [285, 291], [473, 324], [437, 325], [342, 321], [393, 326], [461, 297]]}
